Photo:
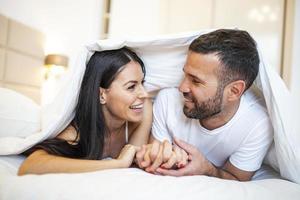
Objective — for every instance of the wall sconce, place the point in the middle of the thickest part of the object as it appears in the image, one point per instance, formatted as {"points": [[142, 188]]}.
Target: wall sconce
{"points": [[55, 65]]}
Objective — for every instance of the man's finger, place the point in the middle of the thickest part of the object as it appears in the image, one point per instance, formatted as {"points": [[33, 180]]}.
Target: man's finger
{"points": [[184, 159], [190, 149], [178, 153], [170, 172]]}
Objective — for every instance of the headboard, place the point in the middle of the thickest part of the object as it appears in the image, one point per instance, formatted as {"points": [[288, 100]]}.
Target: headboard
{"points": [[21, 58]]}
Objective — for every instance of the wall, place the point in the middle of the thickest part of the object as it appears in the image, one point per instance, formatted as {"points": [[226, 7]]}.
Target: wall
{"points": [[67, 24], [21, 58], [295, 72], [263, 19], [134, 17]]}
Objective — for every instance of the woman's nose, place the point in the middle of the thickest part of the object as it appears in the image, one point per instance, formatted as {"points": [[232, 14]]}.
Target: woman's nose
{"points": [[142, 92]]}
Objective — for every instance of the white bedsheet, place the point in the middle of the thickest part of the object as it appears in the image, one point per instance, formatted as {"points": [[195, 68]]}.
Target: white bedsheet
{"points": [[134, 184]]}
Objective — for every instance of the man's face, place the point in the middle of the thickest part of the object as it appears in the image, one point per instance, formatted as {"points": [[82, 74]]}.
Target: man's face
{"points": [[203, 96]]}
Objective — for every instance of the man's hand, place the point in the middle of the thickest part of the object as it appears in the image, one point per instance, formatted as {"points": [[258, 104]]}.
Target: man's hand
{"points": [[197, 165]]}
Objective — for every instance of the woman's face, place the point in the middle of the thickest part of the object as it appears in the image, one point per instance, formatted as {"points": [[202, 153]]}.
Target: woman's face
{"points": [[124, 99]]}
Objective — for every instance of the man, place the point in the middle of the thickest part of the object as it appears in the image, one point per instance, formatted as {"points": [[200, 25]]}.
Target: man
{"points": [[222, 126]]}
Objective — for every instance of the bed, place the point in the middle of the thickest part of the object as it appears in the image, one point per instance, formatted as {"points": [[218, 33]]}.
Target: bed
{"points": [[163, 57], [134, 183]]}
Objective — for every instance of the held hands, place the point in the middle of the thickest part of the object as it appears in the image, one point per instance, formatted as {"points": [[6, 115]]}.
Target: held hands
{"points": [[197, 163], [161, 155], [181, 159]]}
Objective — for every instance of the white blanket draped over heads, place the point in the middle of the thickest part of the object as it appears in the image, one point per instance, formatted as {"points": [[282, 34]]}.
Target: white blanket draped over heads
{"points": [[164, 57]]}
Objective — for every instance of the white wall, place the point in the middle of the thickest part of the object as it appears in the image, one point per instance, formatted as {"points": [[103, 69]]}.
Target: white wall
{"points": [[263, 19], [67, 24], [134, 17], [295, 74]]}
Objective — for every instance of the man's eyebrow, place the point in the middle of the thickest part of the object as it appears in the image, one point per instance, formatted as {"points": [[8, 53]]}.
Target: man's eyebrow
{"points": [[193, 76]]}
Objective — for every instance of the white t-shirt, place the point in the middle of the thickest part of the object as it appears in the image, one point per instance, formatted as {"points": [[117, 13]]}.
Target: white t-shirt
{"points": [[244, 140]]}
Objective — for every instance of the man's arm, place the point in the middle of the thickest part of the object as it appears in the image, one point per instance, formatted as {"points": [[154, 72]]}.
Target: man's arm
{"points": [[231, 172], [199, 165]]}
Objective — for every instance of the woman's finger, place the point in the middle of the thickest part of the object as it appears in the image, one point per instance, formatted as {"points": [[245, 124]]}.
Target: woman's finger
{"points": [[140, 156], [171, 162], [167, 151], [154, 150], [147, 160], [157, 162]]}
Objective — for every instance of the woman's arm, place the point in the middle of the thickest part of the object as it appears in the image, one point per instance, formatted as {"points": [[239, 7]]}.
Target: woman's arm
{"points": [[40, 162], [140, 133]]}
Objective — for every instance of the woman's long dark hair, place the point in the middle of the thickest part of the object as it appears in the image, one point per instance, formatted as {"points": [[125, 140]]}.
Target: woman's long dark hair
{"points": [[89, 121]]}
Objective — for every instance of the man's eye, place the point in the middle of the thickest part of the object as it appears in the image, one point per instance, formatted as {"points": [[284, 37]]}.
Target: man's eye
{"points": [[198, 83]]}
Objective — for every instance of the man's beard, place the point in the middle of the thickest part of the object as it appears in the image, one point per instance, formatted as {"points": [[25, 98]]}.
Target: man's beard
{"points": [[207, 109]]}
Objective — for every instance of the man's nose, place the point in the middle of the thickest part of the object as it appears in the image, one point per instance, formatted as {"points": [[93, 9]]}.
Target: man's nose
{"points": [[184, 86]]}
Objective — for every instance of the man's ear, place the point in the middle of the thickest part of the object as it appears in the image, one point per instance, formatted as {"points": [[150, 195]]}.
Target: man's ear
{"points": [[102, 95], [235, 90]]}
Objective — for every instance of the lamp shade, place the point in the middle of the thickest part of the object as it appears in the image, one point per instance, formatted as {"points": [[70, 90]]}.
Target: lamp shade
{"points": [[56, 59]]}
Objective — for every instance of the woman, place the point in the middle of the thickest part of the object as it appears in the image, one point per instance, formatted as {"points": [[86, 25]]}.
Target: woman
{"points": [[112, 110]]}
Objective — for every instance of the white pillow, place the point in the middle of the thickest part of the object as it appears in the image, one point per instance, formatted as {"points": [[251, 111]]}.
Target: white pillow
{"points": [[19, 115]]}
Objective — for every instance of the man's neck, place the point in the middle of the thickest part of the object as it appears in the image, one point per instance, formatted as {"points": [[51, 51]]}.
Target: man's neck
{"points": [[221, 118]]}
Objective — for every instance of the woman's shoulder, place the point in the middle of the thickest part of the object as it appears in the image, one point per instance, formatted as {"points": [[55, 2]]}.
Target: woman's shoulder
{"points": [[69, 134]]}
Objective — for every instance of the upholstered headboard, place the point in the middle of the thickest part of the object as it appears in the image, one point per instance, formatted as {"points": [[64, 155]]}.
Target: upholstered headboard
{"points": [[21, 58]]}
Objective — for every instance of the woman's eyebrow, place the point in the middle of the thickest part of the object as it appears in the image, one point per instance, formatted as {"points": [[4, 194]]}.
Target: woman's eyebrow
{"points": [[131, 81]]}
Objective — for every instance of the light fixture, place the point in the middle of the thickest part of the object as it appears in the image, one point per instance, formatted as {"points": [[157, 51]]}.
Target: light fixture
{"points": [[55, 65]]}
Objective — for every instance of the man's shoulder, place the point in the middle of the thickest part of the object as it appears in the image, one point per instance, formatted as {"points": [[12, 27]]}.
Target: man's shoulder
{"points": [[254, 105], [169, 91], [253, 114], [169, 94], [170, 100]]}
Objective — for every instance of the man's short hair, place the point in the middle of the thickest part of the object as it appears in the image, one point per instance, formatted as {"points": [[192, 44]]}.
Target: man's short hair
{"points": [[237, 53]]}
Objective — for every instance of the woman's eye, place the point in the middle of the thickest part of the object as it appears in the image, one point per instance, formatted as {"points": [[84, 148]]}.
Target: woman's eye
{"points": [[143, 81], [195, 81], [131, 87]]}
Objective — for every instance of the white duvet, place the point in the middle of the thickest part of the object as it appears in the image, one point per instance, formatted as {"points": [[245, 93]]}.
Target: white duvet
{"points": [[164, 57], [134, 184]]}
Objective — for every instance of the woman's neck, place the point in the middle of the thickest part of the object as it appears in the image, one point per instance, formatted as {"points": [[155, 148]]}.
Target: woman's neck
{"points": [[112, 122]]}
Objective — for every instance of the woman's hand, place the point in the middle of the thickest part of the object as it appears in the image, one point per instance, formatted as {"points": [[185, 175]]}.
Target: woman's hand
{"points": [[127, 155]]}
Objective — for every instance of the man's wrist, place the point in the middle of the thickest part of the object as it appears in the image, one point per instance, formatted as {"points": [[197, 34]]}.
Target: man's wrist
{"points": [[212, 170]]}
